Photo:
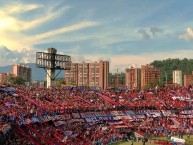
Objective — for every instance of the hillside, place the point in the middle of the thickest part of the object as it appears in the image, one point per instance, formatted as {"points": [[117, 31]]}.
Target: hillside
{"points": [[167, 66]]}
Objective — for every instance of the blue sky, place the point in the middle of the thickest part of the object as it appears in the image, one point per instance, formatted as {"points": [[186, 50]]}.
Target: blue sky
{"points": [[125, 32]]}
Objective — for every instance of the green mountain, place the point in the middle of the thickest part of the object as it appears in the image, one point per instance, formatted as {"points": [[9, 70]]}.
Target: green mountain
{"points": [[167, 66]]}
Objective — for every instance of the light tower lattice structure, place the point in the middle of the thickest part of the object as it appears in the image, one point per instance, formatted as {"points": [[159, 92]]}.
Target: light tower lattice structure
{"points": [[50, 62]]}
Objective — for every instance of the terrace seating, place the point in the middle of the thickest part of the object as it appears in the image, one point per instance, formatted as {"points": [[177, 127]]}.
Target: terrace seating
{"points": [[62, 116]]}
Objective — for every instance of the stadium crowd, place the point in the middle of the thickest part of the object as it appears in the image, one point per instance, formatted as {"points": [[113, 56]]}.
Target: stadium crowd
{"points": [[83, 116]]}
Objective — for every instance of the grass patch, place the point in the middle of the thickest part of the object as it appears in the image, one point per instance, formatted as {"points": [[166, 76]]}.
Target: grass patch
{"points": [[189, 141]]}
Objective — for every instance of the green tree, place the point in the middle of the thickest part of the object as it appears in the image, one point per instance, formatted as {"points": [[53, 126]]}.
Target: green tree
{"points": [[10, 79], [15, 79], [60, 82], [122, 75], [167, 66], [19, 80]]}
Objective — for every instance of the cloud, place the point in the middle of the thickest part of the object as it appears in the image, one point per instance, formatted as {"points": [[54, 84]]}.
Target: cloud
{"points": [[146, 58], [49, 14], [145, 34], [9, 22], [79, 58], [71, 28], [126, 61], [9, 57], [12, 27], [19, 8], [150, 33], [155, 30], [22, 25], [102, 39], [14, 41], [188, 35]]}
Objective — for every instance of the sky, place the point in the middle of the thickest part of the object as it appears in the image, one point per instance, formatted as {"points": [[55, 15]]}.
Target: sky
{"points": [[125, 32]]}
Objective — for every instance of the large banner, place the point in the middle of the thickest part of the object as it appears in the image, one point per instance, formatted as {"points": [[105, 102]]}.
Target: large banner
{"points": [[137, 135]]}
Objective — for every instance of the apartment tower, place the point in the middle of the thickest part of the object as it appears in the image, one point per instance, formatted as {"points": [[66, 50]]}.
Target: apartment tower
{"points": [[88, 74], [22, 71], [3, 77], [188, 80], [150, 75], [133, 77], [177, 77]]}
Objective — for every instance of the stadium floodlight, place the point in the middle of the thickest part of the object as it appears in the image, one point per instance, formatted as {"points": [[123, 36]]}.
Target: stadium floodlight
{"points": [[51, 61]]}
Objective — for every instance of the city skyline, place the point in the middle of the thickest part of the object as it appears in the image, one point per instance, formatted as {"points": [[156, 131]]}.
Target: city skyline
{"points": [[125, 33]]}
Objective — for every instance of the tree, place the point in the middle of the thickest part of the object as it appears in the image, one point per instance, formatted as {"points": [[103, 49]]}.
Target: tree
{"points": [[11, 79], [59, 82], [167, 66], [19, 80]]}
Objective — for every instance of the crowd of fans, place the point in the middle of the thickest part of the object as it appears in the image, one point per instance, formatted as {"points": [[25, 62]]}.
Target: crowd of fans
{"points": [[83, 116]]}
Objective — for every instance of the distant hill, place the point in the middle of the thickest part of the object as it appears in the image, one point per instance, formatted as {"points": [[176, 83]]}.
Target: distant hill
{"points": [[37, 73], [167, 66], [5, 69]]}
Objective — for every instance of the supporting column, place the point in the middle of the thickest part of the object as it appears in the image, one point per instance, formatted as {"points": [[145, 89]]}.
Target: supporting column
{"points": [[51, 68], [50, 76]]}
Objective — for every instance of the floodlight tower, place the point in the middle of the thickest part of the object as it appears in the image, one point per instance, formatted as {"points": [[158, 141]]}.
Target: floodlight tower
{"points": [[50, 62]]}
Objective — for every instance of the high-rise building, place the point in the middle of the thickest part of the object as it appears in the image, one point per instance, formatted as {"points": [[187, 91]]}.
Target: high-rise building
{"points": [[22, 71], [133, 77], [150, 75], [188, 80], [88, 74], [177, 77], [3, 77]]}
